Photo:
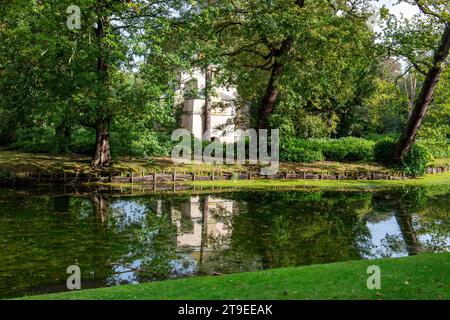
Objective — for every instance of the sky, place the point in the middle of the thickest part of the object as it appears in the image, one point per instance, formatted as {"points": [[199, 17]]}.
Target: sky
{"points": [[407, 10]]}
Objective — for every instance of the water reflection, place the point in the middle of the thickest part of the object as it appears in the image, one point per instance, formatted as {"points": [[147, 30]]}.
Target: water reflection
{"points": [[121, 239]]}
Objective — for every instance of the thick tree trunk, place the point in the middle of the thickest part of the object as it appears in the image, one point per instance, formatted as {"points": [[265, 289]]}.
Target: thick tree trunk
{"points": [[424, 100], [207, 107], [270, 98], [102, 156], [276, 71]]}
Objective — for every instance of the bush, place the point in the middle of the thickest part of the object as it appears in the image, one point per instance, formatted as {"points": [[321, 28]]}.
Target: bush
{"points": [[35, 140], [344, 149], [415, 162], [383, 150], [83, 141], [148, 144], [438, 148], [295, 150], [347, 149]]}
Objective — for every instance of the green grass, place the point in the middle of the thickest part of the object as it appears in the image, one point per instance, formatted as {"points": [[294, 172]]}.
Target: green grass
{"points": [[420, 277], [13, 161], [428, 180]]}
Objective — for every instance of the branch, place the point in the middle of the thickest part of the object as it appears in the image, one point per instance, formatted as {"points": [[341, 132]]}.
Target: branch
{"points": [[411, 60], [425, 10]]}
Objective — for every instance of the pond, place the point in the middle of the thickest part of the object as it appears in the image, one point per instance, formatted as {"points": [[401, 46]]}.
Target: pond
{"points": [[122, 239]]}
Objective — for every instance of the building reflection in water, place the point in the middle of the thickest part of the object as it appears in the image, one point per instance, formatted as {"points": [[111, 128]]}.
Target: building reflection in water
{"points": [[196, 224]]}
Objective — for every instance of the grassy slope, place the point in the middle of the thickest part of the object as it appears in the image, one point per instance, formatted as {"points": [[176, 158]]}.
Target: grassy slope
{"points": [[12, 161], [420, 277]]}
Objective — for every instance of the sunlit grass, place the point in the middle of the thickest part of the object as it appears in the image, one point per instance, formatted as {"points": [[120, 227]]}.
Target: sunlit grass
{"points": [[436, 179]]}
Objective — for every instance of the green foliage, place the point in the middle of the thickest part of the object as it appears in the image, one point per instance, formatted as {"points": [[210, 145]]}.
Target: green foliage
{"points": [[384, 111], [415, 162], [439, 148], [334, 82], [35, 140], [344, 149], [234, 176], [347, 149], [435, 130], [327, 70], [383, 150], [83, 141], [295, 150]]}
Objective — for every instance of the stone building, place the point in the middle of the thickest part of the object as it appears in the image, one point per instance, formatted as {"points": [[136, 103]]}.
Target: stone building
{"points": [[191, 102]]}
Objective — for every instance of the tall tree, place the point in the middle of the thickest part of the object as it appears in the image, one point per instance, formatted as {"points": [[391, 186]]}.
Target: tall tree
{"points": [[273, 44], [116, 64], [437, 18]]}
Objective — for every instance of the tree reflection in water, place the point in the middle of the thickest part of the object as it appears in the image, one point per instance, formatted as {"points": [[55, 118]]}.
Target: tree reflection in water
{"points": [[121, 239]]}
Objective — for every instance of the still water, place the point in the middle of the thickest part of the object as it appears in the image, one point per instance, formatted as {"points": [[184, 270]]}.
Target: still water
{"points": [[121, 239]]}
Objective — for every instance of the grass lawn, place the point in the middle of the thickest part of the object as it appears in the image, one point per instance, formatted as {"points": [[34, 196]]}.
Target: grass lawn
{"points": [[420, 277], [13, 161], [428, 180]]}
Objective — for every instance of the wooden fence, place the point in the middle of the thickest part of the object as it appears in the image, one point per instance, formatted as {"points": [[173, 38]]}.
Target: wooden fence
{"points": [[156, 178]]}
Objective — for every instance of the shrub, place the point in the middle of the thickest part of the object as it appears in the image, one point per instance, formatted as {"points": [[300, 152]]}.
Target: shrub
{"points": [[347, 149], [415, 162], [295, 150], [148, 144], [438, 148], [234, 176], [83, 141], [344, 149], [35, 140], [383, 150]]}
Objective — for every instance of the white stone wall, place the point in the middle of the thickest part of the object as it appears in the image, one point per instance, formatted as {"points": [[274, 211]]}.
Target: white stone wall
{"points": [[192, 109]]}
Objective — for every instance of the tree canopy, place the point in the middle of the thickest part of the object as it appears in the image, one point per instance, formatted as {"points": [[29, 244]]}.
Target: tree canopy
{"points": [[313, 69]]}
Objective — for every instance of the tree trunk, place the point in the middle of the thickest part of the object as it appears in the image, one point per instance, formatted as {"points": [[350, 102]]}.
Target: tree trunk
{"points": [[404, 221], [270, 98], [207, 108], [102, 156], [204, 206], [276, 71], [424, 100], [100, 205]]}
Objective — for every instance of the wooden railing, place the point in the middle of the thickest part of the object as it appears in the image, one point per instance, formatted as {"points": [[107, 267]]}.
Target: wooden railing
{"points": [[183, 176]]}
